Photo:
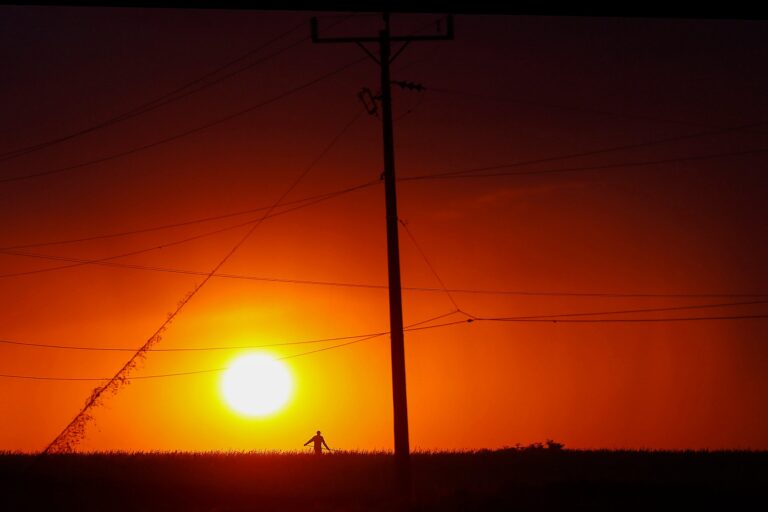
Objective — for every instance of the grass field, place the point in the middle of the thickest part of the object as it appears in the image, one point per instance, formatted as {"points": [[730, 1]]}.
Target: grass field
{"points": [[443, 481]]}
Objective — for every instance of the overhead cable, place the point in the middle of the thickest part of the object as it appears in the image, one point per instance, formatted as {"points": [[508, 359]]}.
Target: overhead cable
{"points": [[185, 133], [202, 82], [218, 370], [107, 260]]}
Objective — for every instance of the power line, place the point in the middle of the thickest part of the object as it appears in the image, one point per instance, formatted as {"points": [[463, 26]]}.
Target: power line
{"points": [[184, 349], [412, 327], [429, 264], [188, 222], [174, 95], [75, 430], [531, 293], [343, 284], [469, 172], [441, 175], [593, 152], [626, 311], [376, 335], [185, 133], [624, 320], [216, 370], [506, 99], [177, 93], [77, 262], [333, 347]]}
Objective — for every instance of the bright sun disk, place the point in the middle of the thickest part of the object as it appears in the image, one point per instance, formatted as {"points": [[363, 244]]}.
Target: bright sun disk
{"points": [[256, 385]]}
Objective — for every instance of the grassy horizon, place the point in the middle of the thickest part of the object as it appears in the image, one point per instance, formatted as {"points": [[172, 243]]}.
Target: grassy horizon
{"points": [[489, 480], [416, 452]]}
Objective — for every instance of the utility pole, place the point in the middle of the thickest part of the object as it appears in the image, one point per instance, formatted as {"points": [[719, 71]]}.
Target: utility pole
{"points": [[385, 58]]}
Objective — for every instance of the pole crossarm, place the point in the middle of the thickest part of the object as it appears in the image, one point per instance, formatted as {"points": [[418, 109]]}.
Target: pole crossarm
{"points": [[447, 36]]}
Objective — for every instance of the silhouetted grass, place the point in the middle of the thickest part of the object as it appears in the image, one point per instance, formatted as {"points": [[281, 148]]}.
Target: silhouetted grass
{"points": [[508, 479]]}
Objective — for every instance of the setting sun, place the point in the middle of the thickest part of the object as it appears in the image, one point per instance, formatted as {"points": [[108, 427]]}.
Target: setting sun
{"points": [[256, 385]]}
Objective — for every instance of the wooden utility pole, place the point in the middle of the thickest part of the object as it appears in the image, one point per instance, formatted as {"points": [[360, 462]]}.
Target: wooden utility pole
{"points": [[399, 397]]}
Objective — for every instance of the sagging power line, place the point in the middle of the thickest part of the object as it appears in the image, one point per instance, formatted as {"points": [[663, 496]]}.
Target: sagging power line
{"points": [[454, 174], [198, 84], [416, 244], [625, 320], [185, 133], [378, 335], [200, 220], [107, 260], [555, 106], [412, 327], [344, 284], [600, 151], [630, 311], [470, 173]]}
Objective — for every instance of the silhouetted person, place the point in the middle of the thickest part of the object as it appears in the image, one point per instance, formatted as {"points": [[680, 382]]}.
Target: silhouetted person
{"points": [[319, 443]]}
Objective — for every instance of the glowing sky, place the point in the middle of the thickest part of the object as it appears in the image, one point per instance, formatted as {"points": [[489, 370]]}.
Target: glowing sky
{"points": [[508, 89]]}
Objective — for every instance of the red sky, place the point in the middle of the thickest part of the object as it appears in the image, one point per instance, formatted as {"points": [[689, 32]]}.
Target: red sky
{"points": [[508, 89]]}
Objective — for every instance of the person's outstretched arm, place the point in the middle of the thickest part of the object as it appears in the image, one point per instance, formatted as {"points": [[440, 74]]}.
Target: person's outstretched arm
{"points": [[305, 444], [326, 445]]}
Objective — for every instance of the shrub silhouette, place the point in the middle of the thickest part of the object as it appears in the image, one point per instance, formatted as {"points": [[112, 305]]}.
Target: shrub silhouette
{"points": [[553, 445]]}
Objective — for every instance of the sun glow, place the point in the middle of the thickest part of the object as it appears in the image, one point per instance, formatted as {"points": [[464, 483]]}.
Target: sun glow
{"points": [[256, 385]]}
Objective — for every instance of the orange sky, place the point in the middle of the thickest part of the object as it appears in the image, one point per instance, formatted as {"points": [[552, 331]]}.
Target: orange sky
{"points": [[561, 86]]}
